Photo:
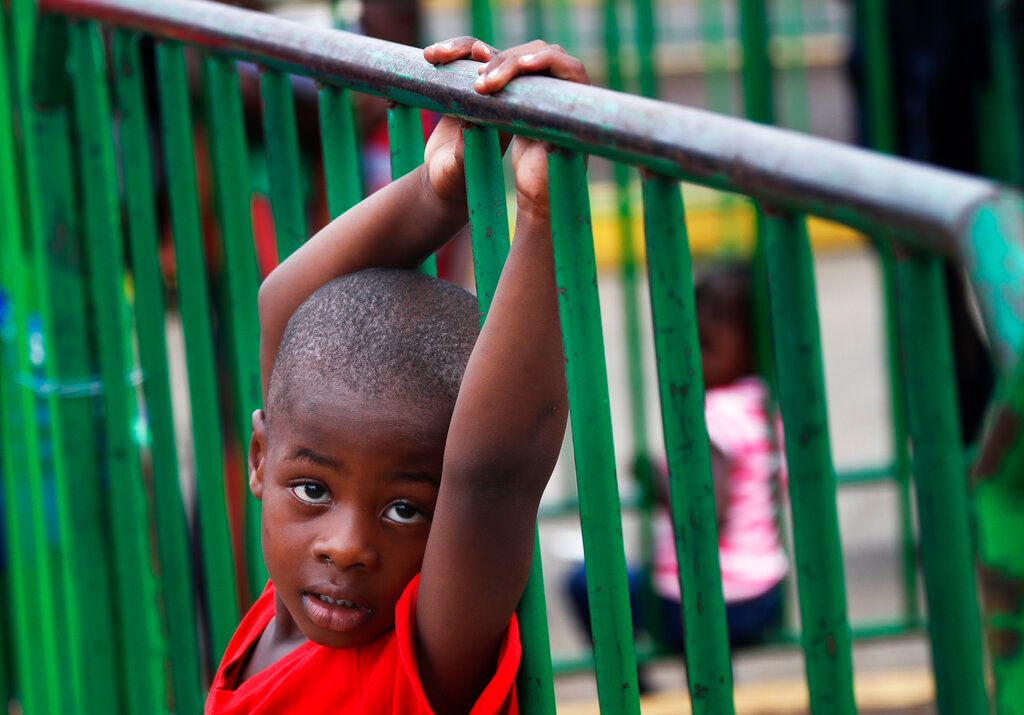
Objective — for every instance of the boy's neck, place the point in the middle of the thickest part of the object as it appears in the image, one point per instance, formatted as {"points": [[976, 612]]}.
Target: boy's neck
{"points": [[279, 638], [282, 626]]}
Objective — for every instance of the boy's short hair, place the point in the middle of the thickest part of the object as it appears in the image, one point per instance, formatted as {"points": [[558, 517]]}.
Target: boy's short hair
{"points": [[381, 333]]}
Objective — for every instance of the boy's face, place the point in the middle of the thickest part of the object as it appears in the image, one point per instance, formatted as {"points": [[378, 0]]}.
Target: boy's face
{"points": [[348, 487]]}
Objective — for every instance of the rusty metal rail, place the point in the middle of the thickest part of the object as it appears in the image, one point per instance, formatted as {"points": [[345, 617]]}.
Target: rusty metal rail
{"points": [[791, 170]]}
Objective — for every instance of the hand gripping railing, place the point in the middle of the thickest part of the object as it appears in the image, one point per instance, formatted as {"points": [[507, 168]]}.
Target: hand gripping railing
{"points": [[923, 213]]}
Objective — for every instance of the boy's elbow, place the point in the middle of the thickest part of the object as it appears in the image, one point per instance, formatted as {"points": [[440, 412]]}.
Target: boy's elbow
{"points": [[515, 459], [265, 299]]}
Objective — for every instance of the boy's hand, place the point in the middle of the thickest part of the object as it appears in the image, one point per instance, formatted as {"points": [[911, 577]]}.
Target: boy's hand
{"points": [[529, 157], [443, 154]]}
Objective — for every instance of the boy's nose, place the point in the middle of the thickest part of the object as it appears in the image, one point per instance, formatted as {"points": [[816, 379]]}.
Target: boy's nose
{"points": [[349, 543]]}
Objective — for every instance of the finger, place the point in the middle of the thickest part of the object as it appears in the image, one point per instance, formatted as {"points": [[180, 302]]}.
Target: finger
{"points": [[450, 50], [532, 58], [504, 67], [496, 74], [499, 57], [482, 52], [556, 62]]}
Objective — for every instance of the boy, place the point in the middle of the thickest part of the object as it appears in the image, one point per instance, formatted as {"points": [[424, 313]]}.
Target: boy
{"points": [[399, 497]]}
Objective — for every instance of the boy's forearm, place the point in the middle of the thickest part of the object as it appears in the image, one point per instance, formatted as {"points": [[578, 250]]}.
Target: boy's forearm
{"points": [[510, 417], [502, 445], [398, 226]]}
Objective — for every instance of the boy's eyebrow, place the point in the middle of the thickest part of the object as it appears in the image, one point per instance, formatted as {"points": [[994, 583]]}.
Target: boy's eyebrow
{"points": [[304, 454], [423, 477]]}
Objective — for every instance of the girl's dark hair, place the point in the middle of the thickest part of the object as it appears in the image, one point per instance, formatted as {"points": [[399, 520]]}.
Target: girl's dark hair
{"points": [[724, 292]]}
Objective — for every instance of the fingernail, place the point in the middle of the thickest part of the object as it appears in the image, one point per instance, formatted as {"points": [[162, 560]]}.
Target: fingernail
{"points": [[526, 59], [445, 45], [492, 75]]}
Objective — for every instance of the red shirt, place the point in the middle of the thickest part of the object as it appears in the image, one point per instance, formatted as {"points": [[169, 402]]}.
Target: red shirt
{"points": [[378, 678]]}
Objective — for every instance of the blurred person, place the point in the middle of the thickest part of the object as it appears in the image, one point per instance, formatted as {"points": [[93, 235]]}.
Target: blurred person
{"points": [[940, 58], [745, 464]]}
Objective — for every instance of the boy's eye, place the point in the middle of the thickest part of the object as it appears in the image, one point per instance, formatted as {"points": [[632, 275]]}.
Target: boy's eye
{"points": [[311, 493], [404, 513]]}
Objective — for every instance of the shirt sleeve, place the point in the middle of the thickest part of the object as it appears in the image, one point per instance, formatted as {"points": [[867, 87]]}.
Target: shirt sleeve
{"points": [[497, 698]]}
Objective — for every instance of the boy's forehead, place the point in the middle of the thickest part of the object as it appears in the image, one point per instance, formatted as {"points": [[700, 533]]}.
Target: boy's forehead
{"points": [[316, 412]]}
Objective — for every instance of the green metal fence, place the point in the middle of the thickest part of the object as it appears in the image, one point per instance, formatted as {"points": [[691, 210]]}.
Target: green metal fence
{"points": [[123, 592]]}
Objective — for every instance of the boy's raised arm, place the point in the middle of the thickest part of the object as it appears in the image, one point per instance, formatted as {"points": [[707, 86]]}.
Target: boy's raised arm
{"points": [[375, 233], [504, 438]]}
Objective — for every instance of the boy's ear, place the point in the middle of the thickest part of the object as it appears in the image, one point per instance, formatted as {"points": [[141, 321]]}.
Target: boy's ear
{"points": [[257, 453]]}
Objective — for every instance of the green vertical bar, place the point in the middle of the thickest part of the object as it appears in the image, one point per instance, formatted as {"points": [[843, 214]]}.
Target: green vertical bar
{"points": [[812, 484], [757, 66], [231, 182], [689, 457], [634, 347], [488, 218], [564, 27], [1002, 142], [283, 162], [340, 150], [536, 26], [87, 627], [576, 276], [6, 694], [488, 212], [612, 45], [882, 134], [32, 628], [58, 254], [878, 79], [482, 22], [796, 108], [995, 263], [405, 140], [176, 583], [64, 657], [646, 43], [717, 75], [938, 469], [901, 454], [218, 561], [143, 648], [998, 491]]}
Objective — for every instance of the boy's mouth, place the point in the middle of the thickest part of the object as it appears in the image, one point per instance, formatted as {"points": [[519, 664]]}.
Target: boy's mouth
{"points": [[334, 614]]}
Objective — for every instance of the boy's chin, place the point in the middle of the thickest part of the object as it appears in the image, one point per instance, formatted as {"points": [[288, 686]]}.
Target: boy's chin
{"points": [[330, 639]]}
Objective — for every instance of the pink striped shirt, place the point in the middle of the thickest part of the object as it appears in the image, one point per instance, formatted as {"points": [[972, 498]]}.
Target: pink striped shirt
{"points": [[749, 548]]}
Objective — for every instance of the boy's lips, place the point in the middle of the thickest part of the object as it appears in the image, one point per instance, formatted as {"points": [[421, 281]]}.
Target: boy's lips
{"points": [[329, 609]]}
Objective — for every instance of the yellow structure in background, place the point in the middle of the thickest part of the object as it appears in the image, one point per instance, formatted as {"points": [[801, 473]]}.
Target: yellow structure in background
{"points": [[717, 224]]}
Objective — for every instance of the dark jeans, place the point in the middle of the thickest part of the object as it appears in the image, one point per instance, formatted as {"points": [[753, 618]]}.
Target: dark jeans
{"points": [[748, 621]]}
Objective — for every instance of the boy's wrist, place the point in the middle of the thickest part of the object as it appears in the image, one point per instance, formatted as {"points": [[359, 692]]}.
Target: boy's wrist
{"points": [[533, 214], [451, 206], [533, 219]]}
